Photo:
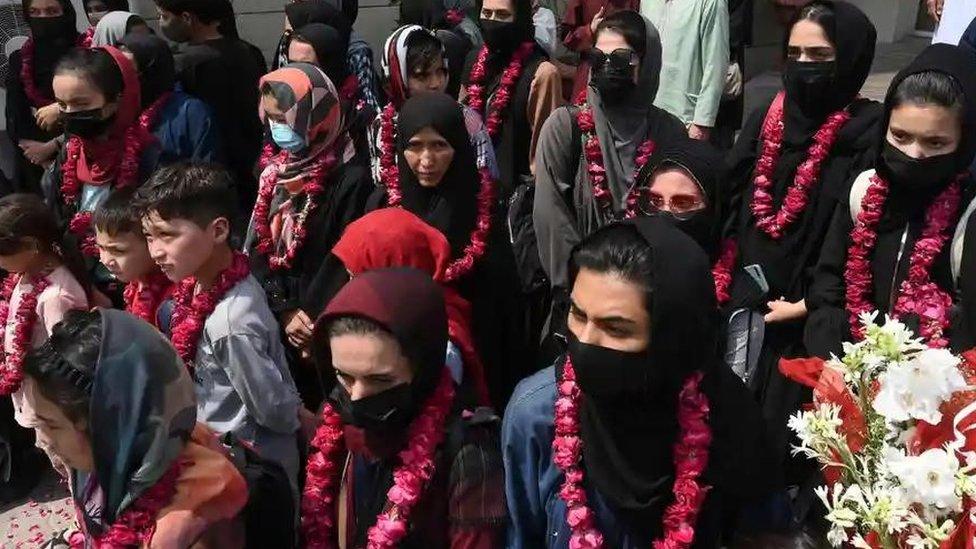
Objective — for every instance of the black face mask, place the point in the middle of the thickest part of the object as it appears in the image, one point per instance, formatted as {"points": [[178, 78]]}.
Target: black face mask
{"points": [[916, 174], [86, 124], [612, 82], [608, 374], [387, 412], [698, 226], [500, 36], [810, 85], [51, 28]]}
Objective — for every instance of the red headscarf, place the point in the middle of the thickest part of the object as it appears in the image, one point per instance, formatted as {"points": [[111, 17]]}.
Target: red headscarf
{"points": [[394, 237], [101, 158]]}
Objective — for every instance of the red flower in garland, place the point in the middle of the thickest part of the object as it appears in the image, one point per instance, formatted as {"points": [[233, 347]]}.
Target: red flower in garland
{"points": [[190, 311], [917, 293], [36, 97], [410, 478], [135, 526], [324, 166], [486, 197], [722, 271], [690, 460], [12, 373], [143, 298], [137, 137], [503, 94], [596, 169], [774, 223]]}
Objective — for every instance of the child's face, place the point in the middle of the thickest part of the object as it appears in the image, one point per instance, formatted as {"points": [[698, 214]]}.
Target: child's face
{"points": [[181, 247], [125, 255]]}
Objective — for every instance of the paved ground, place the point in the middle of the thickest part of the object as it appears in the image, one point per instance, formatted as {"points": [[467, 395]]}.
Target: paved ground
{"points": [[46, 511]]}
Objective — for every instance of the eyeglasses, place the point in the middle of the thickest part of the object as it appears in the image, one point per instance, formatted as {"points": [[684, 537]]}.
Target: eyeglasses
{"points": [[621, 58], [681, 206]]}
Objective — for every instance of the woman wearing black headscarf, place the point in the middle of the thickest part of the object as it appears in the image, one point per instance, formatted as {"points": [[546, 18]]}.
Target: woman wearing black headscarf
{"points": [[783, 191], [403, 403], [904, 210], [451, 25], [32, 116], [184, 126], [642, 382], [439, 181], [359, 55]]}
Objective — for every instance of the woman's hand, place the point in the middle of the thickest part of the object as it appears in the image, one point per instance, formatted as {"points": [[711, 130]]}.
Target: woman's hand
{"points": [[298, 327], [48, 117], [782, 310], [38, 153]]}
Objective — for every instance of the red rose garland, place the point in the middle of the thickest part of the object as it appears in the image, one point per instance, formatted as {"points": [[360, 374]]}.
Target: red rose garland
{"points": [[394, 196], [917, 293], [190, 311], [25, 317], [767, 220], [34, 95], [137, 137], [722, 270], [135, 526], [690, 460], [326, 162], [503, 95], [142, 298], [410, 478], [595, 167]]}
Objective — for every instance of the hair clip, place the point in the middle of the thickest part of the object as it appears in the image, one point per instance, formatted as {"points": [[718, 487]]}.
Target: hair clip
{"points": [[73, 375]]}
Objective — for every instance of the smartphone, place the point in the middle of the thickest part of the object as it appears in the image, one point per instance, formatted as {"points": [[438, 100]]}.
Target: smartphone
{"points": [[756, 272]]}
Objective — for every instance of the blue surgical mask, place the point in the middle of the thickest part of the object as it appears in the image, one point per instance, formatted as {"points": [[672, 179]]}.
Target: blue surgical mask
{"points": [[287, 138]]}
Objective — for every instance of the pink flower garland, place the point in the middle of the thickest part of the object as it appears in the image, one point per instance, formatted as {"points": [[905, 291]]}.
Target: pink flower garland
{"points": [[137, 137], [917, 293], [324, 165], [34, 95], [722, 271], [135, 526], [410, 478], [190, 311], [775, 223], [690, 460], [142, 298], [390, 174], [503, 95], [595, 167], [12, 373]]}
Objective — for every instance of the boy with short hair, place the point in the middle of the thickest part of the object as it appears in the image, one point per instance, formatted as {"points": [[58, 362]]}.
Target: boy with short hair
{"points": [[221, 325], [122, 250]]}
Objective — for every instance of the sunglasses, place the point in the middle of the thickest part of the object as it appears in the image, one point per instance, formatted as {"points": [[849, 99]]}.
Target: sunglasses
{"points": [[621, 58], [680, 206]]}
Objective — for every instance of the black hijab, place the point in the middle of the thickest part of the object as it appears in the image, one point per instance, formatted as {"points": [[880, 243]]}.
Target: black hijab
{"points": [[627, 450], [452, 206], [154, 59], [853, 36], [702, 162], [317, 11], [525, 32], [53, 37], [330, 47]]}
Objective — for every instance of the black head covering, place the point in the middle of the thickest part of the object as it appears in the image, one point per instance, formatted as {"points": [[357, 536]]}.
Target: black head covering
{"points": [[49, 50], [330, 47], [853, 36], [154, 59], [702, 162], [112, 5], [452, 206], [317, 11], [627, 450], [349, 9], [523, 21]]}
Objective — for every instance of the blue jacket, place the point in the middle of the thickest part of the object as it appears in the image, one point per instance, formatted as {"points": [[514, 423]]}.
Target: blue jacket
{"points": [[186, 131]]}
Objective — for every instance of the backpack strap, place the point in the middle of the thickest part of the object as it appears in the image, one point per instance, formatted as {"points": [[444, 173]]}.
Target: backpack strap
{"points": [[577, 139], [858, 189]]}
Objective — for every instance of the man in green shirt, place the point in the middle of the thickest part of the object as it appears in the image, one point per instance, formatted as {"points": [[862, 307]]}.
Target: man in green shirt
{"points": [[695, 52]]}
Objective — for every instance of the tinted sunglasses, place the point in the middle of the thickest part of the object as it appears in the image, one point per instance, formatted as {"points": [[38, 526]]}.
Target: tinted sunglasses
{"points": [[621, 58]]}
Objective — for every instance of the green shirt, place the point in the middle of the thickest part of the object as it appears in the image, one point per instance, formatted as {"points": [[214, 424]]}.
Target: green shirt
{"points": [[695, 56]]}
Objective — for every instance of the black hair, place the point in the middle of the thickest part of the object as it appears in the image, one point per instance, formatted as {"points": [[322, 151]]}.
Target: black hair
{"points": [[64, 366], [630, 25], [97, 66], [207, 11], [282, 93], [616, 249], [819, 12], [359, 325], [24, 216], [197, 192], [116, 215], [134, 21], [111, 5], [423, 50], [930, 88]]}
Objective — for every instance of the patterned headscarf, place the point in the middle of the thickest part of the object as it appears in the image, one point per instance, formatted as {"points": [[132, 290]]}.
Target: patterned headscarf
{"points": [[310, 102]]}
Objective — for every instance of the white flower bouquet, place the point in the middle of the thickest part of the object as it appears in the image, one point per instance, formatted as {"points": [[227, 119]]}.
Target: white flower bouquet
{"points": [[894, 425]]}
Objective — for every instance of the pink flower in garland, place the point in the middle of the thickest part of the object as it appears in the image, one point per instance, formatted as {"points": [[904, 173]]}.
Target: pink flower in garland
{"points": [[774, 223], [503, 94], [722, 271], [25, 317]]}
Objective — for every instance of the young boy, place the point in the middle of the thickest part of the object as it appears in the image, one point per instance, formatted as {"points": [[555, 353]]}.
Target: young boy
{"points": [[122, 250], [221, 324]]}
